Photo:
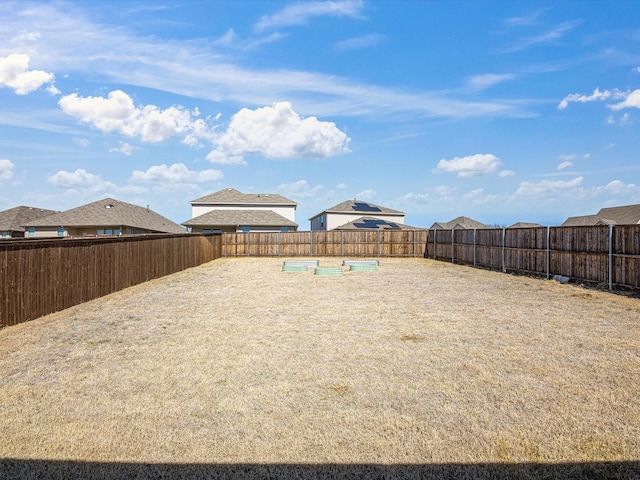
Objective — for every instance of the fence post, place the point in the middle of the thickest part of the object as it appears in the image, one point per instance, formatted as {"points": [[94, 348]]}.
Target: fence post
{"points": [[610, 257], [413, 251], [504, 267], [548, 255], [435, 244], [453, 258], [310, 243], [474, 246]]}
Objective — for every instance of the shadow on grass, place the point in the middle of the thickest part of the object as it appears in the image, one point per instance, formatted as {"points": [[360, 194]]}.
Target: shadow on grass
{"points": [[43, 469]]}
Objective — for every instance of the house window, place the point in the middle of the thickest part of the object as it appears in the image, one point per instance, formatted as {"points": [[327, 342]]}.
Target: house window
{"points": [[61, 231], [100, 231], [284, 229], [246, 229], [321, 220], [108, 231], [5, 235], [207, 230], [117, 232], [32, 231]]}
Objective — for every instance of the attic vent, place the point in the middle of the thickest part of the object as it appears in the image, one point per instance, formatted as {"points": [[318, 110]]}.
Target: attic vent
{"points": [[109, 205]]}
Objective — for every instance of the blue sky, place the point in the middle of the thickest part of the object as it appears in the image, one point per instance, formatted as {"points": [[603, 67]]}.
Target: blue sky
{"points": [[499, 111]]}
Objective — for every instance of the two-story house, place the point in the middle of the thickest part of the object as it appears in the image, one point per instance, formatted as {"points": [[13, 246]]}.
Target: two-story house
{"points": [[357, 214], [229, 210]]}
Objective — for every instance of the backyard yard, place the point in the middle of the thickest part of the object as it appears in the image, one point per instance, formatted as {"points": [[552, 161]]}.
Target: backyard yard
{"points": [[236, 368]]}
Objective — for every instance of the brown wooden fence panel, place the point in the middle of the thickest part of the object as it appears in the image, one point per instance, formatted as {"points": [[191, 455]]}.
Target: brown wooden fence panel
{"points": [[440, 242], [626, 246], [526, 250], [295, 244], [38, 277], [334, 243], [580, 252], [464, 246], [489, 248], [595, 254]]}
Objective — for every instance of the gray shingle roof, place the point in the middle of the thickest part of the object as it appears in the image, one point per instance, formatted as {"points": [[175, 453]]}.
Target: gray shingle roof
{"points": [[525, 225], [109, 212], [231, 196], [459, 222], [244, 217], [12, 220], [372, 223], [354, 206], [624, 215], [581, 221]]}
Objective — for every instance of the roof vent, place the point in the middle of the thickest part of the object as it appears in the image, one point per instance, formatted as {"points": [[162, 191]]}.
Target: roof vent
{"points": [[109, 205]]}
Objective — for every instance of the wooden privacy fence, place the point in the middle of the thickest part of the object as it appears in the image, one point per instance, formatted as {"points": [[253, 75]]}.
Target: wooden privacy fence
{"points": [[38, 277], [601, 254], [381, 243]]}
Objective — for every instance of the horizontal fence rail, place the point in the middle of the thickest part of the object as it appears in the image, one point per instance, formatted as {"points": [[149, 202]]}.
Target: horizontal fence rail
{"points": [[603, 254], [39, 277], [381, 243]]}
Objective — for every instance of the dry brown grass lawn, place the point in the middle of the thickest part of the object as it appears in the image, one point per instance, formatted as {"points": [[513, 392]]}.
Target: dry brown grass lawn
{"points": [[237, 362]]}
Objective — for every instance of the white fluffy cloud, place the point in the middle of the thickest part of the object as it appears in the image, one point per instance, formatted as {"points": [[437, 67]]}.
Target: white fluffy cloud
{"points": [[368, 194], [124, 148], [78, 179], [632, 100], [548, 188], [175, 173], [278, 132], [565, 164], [219, 157], [415, 198], [117, 113], [84, 186], [597, 95], [6, 170], [478, 197], [470, 166], [299, 189], [628, 99], [15, 74], [630, 192]]}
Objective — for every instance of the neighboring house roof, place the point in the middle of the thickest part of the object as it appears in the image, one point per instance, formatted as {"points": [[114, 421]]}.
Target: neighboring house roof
{"points": [[581, 221], [109, 212], [372, 223], [231, 196], [525, 225], [358, 206], [12, 220], [246, 217], [624, 215], [459, 222]]}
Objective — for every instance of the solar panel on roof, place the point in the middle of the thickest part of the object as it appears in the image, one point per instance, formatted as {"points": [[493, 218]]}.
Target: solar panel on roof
{"points": [[365, 207], [374, 223]]}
